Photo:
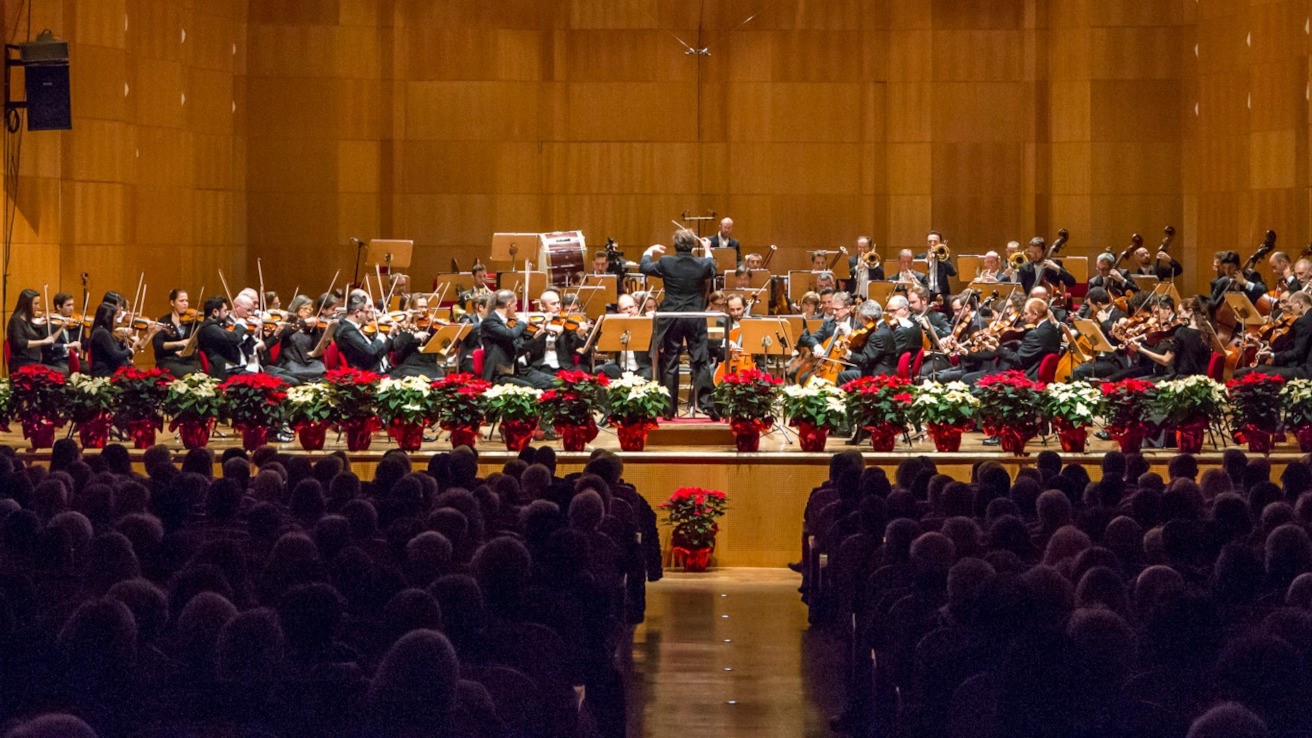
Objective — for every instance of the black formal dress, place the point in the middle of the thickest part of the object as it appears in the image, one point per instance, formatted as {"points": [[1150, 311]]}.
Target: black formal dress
{"points": [[168, 359], [687, 280], [295, 346], [107, 353], [409, 361], [21, 333]]}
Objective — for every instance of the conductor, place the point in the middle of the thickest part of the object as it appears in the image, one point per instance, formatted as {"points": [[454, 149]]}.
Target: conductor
{"points": [[687, 279]]}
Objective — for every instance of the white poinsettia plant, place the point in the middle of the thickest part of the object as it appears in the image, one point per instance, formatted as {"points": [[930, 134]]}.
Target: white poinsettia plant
{"points": [[405, 400], [1296, 397], [1075, 403], [632, 399], [1187, 400], [818, 402], [512, 402], [194, 397], [312, 402], [944, 403], [88, 397]]}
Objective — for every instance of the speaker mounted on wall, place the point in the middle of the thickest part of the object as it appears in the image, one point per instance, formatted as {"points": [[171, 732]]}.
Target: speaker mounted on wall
{"points": [[45, 67]]}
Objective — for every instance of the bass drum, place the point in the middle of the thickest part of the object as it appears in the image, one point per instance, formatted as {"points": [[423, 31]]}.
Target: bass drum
{"points": [[562, 255]]}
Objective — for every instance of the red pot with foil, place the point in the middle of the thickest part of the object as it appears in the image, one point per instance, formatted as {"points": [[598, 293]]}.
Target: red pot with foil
{"points": [[747, 433], [409, 436], [883, 437], [1073, 438], [633, 436], [947, 436], [94, 433], [575, 436], [517, 434]]}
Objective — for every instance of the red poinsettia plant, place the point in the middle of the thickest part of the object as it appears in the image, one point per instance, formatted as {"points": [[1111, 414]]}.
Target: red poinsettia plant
{"points": [[353, 392], [575, 398], [748, 395], [1255, 401], [37, 395], [883, 400], [458, 401], [1009, 400], [1126, 404], [253, 400], [141, 394], [693, 511]]}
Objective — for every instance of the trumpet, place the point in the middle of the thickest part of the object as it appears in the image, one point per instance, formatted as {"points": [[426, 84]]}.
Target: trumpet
{"points": [[941, 252], [1017, 260]]}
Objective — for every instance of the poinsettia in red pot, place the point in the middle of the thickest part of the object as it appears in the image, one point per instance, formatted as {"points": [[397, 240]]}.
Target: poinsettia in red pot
{"points": [[516, 408], [37, 401], [947, 410], [693, 512], [353, 394], [461, 406], [1255, 406], [1125, 410], [195, 405], [1296, 398], [254, 405], [882, 405], [748, 400], [406, 405], [1011, 408], [310, 411], [633, 405], [91, 402], [814, 410], [141, 398], [572, 404]]}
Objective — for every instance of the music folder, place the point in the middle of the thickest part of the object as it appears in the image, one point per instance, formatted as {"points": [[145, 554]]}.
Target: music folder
{"points": [[1243, 308], [1092, 331], [445, 338]]}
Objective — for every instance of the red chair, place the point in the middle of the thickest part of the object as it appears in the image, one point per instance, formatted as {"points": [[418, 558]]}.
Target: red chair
{"points": [[1216, 367], [274, 351], [74, 363], [204, 361], [1048, 368], [478, 362], [916, 363], [332, 358], [904, 365]]}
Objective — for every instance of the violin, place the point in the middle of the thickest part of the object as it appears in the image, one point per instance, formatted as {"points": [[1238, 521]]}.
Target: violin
{"points": [[144, 324], [189, 317]]}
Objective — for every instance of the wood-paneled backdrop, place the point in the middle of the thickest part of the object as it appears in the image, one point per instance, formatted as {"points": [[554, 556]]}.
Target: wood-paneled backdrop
{"points": [[208, 133]]}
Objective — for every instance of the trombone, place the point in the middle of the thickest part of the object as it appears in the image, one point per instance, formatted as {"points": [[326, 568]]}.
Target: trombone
{"points": [[941, 252], [1017, 260]]}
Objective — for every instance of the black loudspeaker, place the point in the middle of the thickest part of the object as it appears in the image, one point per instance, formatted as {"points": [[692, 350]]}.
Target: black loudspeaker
{"points": [[48, 107]]}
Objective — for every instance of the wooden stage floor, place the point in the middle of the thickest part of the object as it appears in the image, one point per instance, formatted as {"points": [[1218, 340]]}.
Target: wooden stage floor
{"points": [[767, 490]]}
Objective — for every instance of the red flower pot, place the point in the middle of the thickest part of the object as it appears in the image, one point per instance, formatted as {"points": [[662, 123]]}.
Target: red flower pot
{"points": [[747, 433], [254, 436], [142, 432], [1304, 435], [883, 438], [94, 433], [39, 433], [694, 559], [1013, 440], [1189, 437], [195, 433], [575, 437], [312, 435], [633, 436], [358, 436], [410, 436], [947, 436], [1074, 439], [517, 433], [1130, 438], [812, 437], [1259, 441], [467, 436]]}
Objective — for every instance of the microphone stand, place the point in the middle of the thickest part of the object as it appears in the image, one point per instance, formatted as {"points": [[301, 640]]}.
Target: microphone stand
{"points": [[766, 343]]}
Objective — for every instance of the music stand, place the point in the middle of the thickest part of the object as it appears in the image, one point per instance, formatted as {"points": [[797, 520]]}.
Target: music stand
{"points": [[189, 350], [514, 281], [592, 301], [800, 282], [446, 337], [1092, 331], [510, 248], [391, 253], [1243, 308], [726, 259], [969, 264], [608, 283], [880, 291], [765, 336], [1144, 281], [624, 333], [324, 340], [842, 268]]}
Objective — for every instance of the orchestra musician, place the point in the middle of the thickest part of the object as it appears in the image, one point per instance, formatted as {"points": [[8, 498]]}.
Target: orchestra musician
{"points": [[1188, 350], [880, 353], [991, 270], [1230, 278], [1302, 273], [939, 270], [1116, 281], [906, 272], [26, 338], [475, 317], [1059, 313], [298, 340], [167, 344], [600, 263], [840, 323], [552, 348], [1012, 274], [1041, 269], [861, 274], [636, 362], [407, 359], [67, 337], [1282, 272], [501, 341], [810, 306], [358, 350], [272, 301], [754, 261], [966, 321], [1164, 266], [1292, 362], [1098, 306], [113, 347], [919, 302], [825, 281], [687, 279], [1042, 339], [723, 239]]}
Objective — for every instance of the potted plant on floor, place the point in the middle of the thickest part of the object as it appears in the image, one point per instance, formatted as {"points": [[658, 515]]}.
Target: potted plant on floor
{"points": [[90, 403], [571, 406], [1296, 399], [1010, 408], [1071, 409], [693, 512], [406, 405], [1255, 409], [194, 405], [1188, 405], [353, 393], [1124, 410], [253, 405], [633, 405], [748, 400], [141, 394], [815, 410], [947, 410], [37, 398], [461, 406], [516, 408], [882, 406], [6, 404], [310, 413]]}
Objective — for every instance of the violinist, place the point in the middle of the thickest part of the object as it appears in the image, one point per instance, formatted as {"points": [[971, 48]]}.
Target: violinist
{"points": [[636, 362], [68, 332], [298, 340], [918, 301], [113, 347], [1042, 339], [1098, 306], [553, 348], [880, 353], [221, 338], [1294, 362], [1184, 350], [361, 351], [167, 344], [1230, 278], [272, 301], [1164, 266], [475, 316], [1041, 269], [27, 340], [1115, 281], [502, 341], [1059, 313], [408, 360], [1282, 270]]}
